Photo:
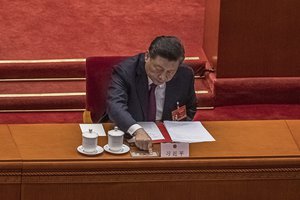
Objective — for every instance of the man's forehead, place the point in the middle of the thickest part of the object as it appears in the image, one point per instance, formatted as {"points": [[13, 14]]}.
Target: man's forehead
{"points": [[164, 61]]}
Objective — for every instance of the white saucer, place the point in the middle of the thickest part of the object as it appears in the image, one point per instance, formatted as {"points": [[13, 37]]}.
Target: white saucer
{"points": [[96, 152], [124, 149]]}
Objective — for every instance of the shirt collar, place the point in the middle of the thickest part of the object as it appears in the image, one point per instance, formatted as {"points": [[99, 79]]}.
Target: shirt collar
{"points": [[150, 82]]}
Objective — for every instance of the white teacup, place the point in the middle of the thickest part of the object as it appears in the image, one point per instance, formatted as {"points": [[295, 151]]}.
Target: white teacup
{"points": [[115, 139], [89, 141]]}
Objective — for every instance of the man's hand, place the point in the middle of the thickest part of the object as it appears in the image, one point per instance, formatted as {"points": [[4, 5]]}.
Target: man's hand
{"points": [[142, 140]]}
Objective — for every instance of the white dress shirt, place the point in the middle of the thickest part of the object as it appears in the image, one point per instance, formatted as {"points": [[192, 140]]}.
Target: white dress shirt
{"points": [[160, 92]]}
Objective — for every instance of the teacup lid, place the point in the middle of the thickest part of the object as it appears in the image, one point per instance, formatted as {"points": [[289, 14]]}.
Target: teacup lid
{"points": [[116, 132], [90, 134]]}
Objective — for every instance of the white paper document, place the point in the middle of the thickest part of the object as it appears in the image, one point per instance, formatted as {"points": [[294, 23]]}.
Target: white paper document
{"points": [[190, 132], [98, 128], [152, 130]]}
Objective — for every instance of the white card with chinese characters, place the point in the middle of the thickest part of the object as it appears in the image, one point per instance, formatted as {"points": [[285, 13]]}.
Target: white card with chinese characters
{"points": [[171, 150]]}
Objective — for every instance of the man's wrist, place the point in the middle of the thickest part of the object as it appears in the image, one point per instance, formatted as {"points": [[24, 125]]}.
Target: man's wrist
{"points": [[133, 128]]}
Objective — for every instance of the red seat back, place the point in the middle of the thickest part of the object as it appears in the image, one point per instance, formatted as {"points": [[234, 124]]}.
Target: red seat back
{"points": [[98, 76]]}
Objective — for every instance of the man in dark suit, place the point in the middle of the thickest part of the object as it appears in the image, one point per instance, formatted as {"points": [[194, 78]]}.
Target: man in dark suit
{"points": [[161, 69]]}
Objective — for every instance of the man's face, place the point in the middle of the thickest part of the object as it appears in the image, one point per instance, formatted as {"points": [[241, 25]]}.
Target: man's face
{"points": [[159, 69]]}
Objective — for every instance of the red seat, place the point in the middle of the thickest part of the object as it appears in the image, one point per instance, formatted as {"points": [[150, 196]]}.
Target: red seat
{"points": [[98, 75]]}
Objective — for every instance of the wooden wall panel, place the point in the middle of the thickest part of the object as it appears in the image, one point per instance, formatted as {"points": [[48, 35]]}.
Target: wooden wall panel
{"points": [[211, 30], [257, 38]]}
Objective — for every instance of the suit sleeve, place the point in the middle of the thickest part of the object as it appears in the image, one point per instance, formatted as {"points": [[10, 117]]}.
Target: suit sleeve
{"points": [[117, 99], [191, 100]]}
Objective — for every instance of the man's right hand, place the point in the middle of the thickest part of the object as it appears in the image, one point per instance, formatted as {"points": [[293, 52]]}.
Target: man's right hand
{"points": [[142, 140]]}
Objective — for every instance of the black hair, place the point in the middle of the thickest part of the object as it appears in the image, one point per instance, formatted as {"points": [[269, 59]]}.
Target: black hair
{"points": [[169, 47]]}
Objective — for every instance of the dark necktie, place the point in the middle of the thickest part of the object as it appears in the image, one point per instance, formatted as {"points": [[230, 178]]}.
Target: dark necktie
{"points": [[151, 103]]}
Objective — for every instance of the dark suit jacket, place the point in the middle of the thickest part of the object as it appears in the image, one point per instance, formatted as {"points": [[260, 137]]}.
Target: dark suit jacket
{"points": [[128, 93]]}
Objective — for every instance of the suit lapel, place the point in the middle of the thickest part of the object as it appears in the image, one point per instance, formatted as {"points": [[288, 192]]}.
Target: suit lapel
{"points": [[142, 85], [170, 99]]}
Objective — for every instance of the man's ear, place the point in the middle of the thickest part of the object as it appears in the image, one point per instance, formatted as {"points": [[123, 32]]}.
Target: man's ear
{"points": [[147, 56]]}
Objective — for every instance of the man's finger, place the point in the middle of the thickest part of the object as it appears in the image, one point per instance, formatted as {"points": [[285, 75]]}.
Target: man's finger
{"points": [[150, 148]]}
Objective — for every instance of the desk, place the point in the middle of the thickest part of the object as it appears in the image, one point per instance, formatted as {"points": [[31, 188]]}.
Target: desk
{"points": [[10, 166], [249, 160], [294, 126]]}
